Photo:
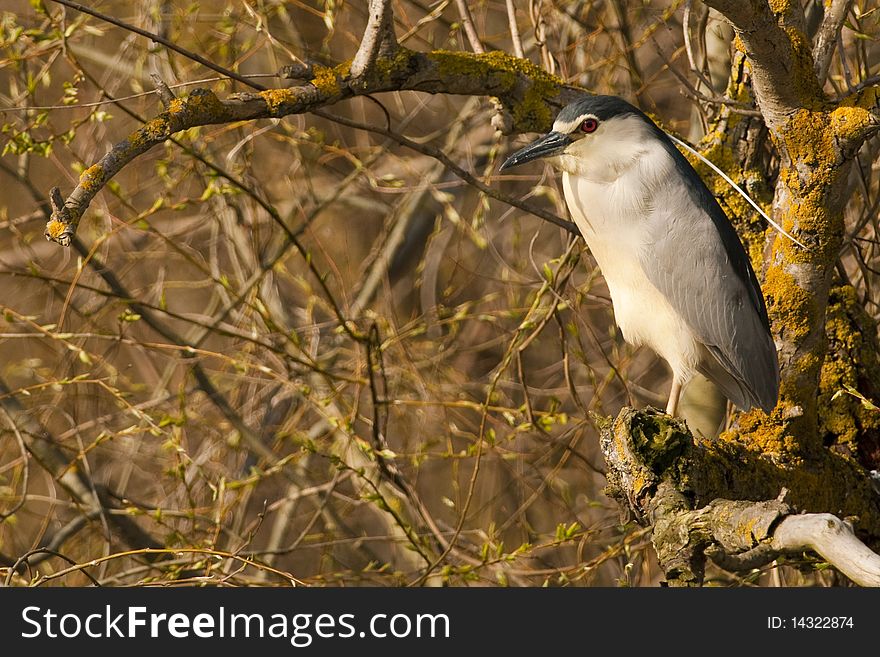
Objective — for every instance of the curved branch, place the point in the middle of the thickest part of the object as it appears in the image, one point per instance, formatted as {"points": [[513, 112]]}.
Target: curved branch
{"points": [[834, 540], [531, 95]]}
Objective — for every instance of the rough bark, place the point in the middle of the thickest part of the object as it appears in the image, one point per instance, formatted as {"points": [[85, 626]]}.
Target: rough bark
{"points": [[816, 141], [718, 500]]}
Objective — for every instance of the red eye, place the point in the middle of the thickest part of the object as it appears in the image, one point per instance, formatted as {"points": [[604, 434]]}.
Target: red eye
{"points": [[589, 125]]}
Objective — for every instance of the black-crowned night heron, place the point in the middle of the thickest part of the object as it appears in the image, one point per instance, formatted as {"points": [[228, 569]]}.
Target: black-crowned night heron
{"points": [[679, 279]]}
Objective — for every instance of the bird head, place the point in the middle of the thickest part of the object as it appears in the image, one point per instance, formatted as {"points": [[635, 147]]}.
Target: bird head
{"points": [[592, 136]]}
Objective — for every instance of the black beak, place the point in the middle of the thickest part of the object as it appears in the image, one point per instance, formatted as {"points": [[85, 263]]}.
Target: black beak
{"points": [[553, 143]]}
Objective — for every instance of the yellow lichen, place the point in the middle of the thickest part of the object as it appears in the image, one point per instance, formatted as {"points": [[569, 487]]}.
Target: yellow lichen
{"points": [[176, 106], [850, 121], [275, 99], [326, 79], [809, 201], [802, 67], [55, 228], [851, 361], [758, 433], [92, 177], [792, 307], [780, 7], [808, 139], [532, 113], [830, 482]]}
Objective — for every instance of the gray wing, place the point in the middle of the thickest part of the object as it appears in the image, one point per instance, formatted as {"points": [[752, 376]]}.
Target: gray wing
{"points": [[694, 257]]}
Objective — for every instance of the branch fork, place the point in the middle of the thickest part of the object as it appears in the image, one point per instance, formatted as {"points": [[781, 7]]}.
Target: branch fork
{"points": [[378, 40]]}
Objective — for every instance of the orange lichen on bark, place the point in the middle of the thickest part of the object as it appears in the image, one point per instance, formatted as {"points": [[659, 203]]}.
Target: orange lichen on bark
{"points": [[852, 363], [326, 79], [761, 434], [92, 177], [794, 308], [780, 7], [55, 228], [275, 100]]}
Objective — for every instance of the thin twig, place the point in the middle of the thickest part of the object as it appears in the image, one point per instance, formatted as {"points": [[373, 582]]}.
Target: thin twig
{"points": [[437, 154], [158, 39], [467, 22], [514, 30], [25, 468], [540, 26]]}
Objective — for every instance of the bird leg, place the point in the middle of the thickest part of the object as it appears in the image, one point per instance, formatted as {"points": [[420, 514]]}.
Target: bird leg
{"points": [[674, 395]]}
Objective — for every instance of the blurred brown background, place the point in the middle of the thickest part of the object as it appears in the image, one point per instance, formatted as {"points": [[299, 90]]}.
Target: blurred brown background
{"points": [[453, 426]]}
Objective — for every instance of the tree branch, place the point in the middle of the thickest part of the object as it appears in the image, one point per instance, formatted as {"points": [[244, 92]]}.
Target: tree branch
{"points": [[514, 30], [531, 95], [777, 46], [682, 489], [378, 38], [834, 540], [467, 21], [826, 39]]}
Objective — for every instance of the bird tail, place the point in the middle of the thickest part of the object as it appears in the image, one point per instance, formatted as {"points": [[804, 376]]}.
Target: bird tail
{"points": [[763, 392]]}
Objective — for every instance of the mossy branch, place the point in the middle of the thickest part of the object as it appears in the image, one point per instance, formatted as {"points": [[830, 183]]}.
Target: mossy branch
{"points": [[772, 35], [719, 500], [530, 95]]}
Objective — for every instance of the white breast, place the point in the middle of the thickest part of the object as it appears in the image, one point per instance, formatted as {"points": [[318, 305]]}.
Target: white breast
{"points": [[608, 214]]}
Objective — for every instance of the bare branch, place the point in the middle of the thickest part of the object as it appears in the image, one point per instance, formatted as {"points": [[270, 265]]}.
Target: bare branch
{"points": [[826, 39], [467, 22], [93, 499], [378, 38], [834, 540], [164, 91], [541, 35], [470, 179], [157, 38], [514, 30]]}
